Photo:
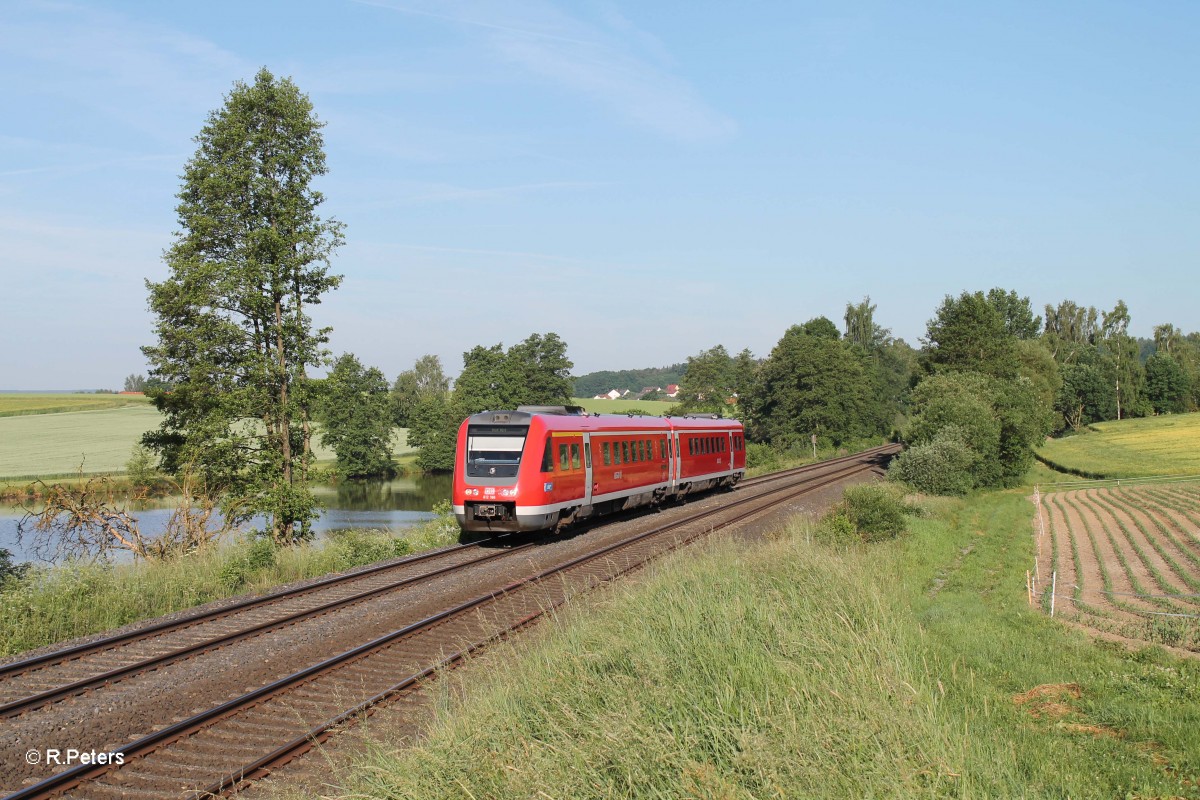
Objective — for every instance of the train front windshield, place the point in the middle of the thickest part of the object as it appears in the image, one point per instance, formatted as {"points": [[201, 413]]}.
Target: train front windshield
{"points": [[494, 451]]}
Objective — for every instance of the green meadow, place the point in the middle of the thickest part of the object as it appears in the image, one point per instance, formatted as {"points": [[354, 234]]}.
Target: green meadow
{"points": [[911, 668], [59, 443], [1132, 448], [655, 408], [16, 404]]}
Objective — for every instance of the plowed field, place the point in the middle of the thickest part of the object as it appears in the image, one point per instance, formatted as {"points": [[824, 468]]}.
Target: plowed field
{"points": [[1127, 560]]}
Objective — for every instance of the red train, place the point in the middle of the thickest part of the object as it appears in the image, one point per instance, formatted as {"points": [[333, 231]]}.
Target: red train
{"points": [[542, 467]]}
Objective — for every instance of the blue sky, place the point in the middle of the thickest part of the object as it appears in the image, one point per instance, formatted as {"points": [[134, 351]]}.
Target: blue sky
{"points": [[645, 179]]}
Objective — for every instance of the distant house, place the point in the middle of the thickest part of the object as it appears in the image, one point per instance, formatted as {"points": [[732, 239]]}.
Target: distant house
{"points": [[672, 390], [648, 389]]}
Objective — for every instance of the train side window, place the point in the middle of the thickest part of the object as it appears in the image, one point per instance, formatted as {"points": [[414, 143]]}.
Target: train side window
{"points": [[633, 453], [548, 456], [574, 456], [587, 457], [607, 455], [625, 452], [649, 450], [641, 449], [564, 461], [662, 447]]}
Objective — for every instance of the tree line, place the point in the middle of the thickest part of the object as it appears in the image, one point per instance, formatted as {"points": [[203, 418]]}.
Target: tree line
{"points": [[235, 347]]}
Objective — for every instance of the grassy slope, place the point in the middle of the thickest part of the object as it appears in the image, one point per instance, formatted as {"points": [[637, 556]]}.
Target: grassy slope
{"points": [[1167, 445], [798, 671], [22, 403], [57, 604], [55, 444]]}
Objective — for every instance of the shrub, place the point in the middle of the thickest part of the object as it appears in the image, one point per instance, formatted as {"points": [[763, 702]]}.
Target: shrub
{"points": [[256, 555], [761, 456], [942, 466], [869, 512], [8, 569], [366, 547], [141, 468]]}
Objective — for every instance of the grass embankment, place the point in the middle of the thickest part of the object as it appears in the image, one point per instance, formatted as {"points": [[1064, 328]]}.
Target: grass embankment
{"points": [[21, 403], [909, 668], [55, 604], [55, 445], [1166, 445]]}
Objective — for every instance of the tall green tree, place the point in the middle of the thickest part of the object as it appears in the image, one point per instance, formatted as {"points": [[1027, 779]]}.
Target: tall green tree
{"points": [[534, 372], [810, 384], [1017, 313], [1070, 330], [539, 371], [426, 380], [1167, 386], [708, 383], [1121, 350], [861, 328], [234, 337], [968, 333], [354, 412]]}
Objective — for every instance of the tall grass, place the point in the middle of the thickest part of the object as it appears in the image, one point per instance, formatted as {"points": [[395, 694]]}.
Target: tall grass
{"points": [[54, 604], [801, 671]]}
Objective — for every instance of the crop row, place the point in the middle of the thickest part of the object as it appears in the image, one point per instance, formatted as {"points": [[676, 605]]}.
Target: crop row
{"points": [[1127, 561]]}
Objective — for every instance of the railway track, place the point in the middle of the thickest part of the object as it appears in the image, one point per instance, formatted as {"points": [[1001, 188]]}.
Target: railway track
{"points": [[249, 735]]}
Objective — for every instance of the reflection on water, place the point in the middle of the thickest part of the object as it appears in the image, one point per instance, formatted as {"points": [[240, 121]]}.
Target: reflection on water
{"points": [[393, 505]]}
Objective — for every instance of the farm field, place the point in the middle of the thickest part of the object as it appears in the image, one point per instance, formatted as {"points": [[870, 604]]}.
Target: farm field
{"points": [[651, 407], [17, 404], [1166, 445], [55, 444], [1127, 560]]}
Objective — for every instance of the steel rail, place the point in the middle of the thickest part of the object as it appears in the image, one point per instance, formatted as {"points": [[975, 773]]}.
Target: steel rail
{"points": [[31, 702], [23, 705], [109, 642], [73, 777]]}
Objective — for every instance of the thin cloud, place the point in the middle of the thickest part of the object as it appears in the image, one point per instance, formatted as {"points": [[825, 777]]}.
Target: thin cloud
{"points": [[608, 60]]}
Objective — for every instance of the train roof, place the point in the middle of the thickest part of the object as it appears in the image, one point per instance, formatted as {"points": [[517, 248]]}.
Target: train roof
{"points": [[566, 418]]}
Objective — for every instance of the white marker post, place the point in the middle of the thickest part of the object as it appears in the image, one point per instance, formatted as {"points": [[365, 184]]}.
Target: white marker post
{"points": [[1053, 586]]}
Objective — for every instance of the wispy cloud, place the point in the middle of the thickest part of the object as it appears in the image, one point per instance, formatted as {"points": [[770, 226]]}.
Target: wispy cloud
{"points": [[87, 58], [607, 59]]}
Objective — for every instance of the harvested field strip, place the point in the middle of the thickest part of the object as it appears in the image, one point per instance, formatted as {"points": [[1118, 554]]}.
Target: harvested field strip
{"points": [[1157, 583], [1158, 517], [1140, 543], [1132, 585], [1176, 510], [1058, 519], [1170, 585], [1168, 574]]}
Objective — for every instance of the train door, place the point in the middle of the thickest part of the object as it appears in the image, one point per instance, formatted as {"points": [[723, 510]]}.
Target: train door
{"points": [[675, 458], [587, 469]]}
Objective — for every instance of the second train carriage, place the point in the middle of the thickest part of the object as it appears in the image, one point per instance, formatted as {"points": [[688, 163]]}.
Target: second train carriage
{"points": [[543, 466]]}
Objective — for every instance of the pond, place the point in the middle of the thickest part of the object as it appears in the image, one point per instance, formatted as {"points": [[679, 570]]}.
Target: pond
{"points": [[392, 505]]}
